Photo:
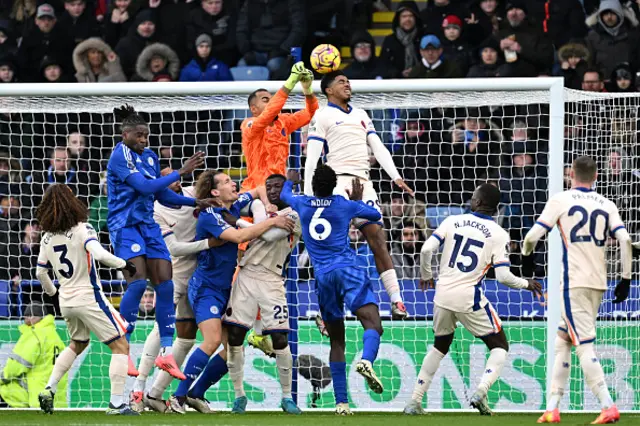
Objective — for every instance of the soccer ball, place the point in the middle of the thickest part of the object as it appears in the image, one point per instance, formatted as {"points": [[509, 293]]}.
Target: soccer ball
{"points": [[325, 58]]}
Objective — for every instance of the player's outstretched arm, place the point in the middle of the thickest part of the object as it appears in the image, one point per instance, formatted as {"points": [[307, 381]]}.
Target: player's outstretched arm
{"points": [[506, 277], [537, 231], [314, 151], [301, 118], [103, 256], [384, 158], [181, 248], [239, 236], [146, 186]]}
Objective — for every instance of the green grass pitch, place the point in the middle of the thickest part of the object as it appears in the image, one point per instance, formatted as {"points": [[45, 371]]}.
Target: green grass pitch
{"points": [[72, 418]]}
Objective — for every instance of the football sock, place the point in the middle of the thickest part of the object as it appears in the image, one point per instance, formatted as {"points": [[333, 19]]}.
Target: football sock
{"points": [[214, 371], [130, 303], [593, 374], [339, 376], [430, 365], [492, 370], [118, 376], [235, 363], [61, 367], [165, 314], [284, 361], [371, 343], [195, 364], [561, 370], [149, 353]]}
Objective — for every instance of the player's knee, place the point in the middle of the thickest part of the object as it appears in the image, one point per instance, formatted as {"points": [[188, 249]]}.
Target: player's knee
{"points": [[443, 343], [279, 340], [498, 340], [78, 347], [120, 346], [235, 335], [186, 329]]}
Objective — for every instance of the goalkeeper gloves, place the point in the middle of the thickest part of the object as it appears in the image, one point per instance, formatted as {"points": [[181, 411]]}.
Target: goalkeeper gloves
{"points": [[622, 290], [297, 71], [307, 81]]}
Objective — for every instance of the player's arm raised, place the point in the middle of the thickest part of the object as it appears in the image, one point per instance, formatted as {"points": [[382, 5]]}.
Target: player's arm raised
{"points": [[384, 158], [301, 118], [315, 144], [260, 193], [626, 256]]}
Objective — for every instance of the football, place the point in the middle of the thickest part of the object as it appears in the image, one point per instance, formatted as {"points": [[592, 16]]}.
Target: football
{"points": [[325, 58]]}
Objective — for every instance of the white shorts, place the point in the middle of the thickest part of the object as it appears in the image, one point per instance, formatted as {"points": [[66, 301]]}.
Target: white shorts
{"points": [[480, 323], [180, 297], [579, 311], [369, 196], [250, 293], [104, 321]]}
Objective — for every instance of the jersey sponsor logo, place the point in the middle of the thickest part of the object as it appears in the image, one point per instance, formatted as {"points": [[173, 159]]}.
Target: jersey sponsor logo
{"points": [[135, 248]]}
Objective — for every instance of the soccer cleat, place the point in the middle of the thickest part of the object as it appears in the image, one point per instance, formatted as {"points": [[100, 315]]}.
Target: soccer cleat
{"points": [[342, 409], [364, 368], [413, 408], [201, 405], [132, 371], [46, 400], [398, 311], [607, 415], [322, 328], [158, 405], [552, 416], [136, 401], [177, 404], [123, 410], [289, 407], [239, 405], [480, 403], [262, 343], [168, 364]]}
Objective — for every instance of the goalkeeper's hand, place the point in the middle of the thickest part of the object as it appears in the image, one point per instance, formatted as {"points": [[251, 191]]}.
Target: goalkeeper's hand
{"points": [[307, 81], [297, 71], [622, 290]]}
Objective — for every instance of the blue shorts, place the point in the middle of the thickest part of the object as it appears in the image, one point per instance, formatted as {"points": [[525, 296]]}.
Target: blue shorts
{"points": [[140, 240], [348, 285], [207, 302]]}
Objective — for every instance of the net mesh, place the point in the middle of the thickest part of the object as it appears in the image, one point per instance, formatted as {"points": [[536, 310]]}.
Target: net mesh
{"points": [[443, 143]]}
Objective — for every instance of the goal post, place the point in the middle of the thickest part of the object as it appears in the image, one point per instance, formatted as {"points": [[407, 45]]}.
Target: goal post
{"points": [[186, 117]]}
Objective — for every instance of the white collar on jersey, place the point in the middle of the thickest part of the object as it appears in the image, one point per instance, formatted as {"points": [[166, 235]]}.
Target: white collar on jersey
{"points": [[347, 111]]}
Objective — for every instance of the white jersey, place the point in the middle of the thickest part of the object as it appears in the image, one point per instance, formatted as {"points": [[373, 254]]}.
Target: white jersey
{"points": [[344, 135], [585, 219], [271, 256], [182, 223], [472, 244], [72, 265]]}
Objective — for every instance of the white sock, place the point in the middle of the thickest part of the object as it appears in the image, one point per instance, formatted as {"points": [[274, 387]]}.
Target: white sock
{"points": [[118, 376], [181, 348], [166, 350], [284, 361], [560, 374], [149, 353], [64, 362], [593, 374], [257, 327], [390, 282], [492, 370], [430, 365], [235, 363]]}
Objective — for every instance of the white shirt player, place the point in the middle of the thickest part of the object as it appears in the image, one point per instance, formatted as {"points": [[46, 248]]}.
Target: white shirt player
{"points": [[585, 220], [345, 137], [72, 257], [472, 243]]}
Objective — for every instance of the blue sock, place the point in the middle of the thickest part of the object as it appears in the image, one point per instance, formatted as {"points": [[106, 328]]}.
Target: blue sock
{"points": [[339, 377], [371, 340], [130, 303], [165, 312], [195, 364], [214, 371]]}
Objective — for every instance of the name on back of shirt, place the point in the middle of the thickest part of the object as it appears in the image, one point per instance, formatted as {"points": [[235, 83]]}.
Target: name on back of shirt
{"points": [[320, 203], [588, 196], [473, 224]]}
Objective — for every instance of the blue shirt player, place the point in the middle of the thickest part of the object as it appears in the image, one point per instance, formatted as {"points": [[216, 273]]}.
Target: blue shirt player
{"points": [[133, 184], [325, 220], [210, 285]]}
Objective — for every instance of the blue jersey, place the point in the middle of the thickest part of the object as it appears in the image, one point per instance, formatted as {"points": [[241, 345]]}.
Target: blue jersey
{"points": [[126, 206], [325, 226], [217, 265]]}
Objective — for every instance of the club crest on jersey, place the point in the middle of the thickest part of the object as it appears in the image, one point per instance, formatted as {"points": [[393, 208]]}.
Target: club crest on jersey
{"points": [[214, 310], [150, 161], [135, 248]]}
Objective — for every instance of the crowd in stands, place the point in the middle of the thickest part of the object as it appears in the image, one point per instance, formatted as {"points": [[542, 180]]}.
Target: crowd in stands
{"points": [[442, 153]]}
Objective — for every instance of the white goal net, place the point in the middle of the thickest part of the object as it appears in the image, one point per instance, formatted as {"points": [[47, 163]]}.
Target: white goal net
{"points": [[445, 141]]}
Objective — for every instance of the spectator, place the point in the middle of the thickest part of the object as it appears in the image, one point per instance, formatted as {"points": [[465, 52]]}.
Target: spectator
{"points": [[412, 156], [561, 20], [147, 307], [402, 207], [61, 170], [95, 62], [406, 253], [157, 60], [325, 21], [9, 224], [622, 79], [8, 44], [7, 71], [45, 38], [23, 257], [365, 65], [484, 21], [118, 23], [141, 34], [490, 60], [172, 20], [592, 81], [618, 183], [204, 66], [21, 14], [78, 22], [454, 48], [83, 159], [435, 12], [267, 31], [613, 37], [401, 50], [574, 60], [10, 173], [51, 71], [217, 19], [31, 362], [98, 209], [526, 49], [432, 64]]}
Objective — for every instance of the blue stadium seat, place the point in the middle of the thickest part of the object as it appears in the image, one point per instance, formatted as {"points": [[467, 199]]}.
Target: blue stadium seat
{"points": [[5, 298], [250, 73], [436, 214]]}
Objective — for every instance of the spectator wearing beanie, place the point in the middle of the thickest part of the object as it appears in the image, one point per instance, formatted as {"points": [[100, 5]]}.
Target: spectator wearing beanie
{"points": [[435, 12], [454, 48], [365, 65], [432, 64], [622, 79], [78, 22], [141, 34], [52, 71], [204, 66], [574, 61], [96, 62], [157, 59], [401, 50], [490, 60], [7, 71], [118, 22], [216, 18]]}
